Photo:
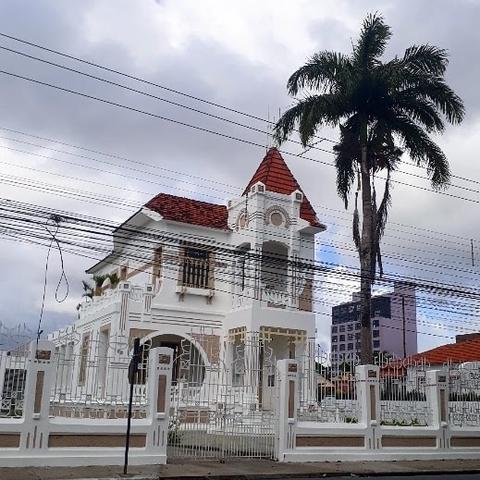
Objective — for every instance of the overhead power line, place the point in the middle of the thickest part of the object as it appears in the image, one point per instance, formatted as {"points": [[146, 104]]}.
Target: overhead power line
{"points": [[196, 110], [209, 131], [156, 235], [203, 179], [86, 196], [169, 89], [222, 290]]}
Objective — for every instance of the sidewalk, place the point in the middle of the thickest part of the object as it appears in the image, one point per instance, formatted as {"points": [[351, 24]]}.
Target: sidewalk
{"points": [[246, 469]]}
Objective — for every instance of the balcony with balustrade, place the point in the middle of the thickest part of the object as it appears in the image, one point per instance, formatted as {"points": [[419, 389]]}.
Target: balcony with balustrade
{"points": [[273, 278]]}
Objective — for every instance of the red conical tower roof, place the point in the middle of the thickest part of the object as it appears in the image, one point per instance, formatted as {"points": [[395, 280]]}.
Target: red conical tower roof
{"points": [[277, 177]]}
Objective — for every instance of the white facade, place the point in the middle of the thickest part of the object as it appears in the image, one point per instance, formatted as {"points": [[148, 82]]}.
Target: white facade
{"points": [[184, 285]]}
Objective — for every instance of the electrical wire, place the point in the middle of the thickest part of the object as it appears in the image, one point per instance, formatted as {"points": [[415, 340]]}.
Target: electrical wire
{"points": [[209, 131]]}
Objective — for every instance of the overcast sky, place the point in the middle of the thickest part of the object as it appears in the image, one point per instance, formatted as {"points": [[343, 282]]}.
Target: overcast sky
{"points": [[238, 54]]}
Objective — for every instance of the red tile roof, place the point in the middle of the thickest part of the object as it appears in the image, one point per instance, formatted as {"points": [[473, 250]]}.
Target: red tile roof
{"points": [[186, 210], [272, 172], [277, 177], [467, 351]]}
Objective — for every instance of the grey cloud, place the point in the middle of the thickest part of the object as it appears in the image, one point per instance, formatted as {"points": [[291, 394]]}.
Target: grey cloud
{"points": [[209, 70]]}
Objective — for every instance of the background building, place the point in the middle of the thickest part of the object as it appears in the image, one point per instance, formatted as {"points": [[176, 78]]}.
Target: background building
{"points": [[394, 325]]}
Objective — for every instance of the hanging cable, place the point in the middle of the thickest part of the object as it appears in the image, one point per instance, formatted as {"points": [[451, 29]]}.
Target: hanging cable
{"points": [[56, 219]]}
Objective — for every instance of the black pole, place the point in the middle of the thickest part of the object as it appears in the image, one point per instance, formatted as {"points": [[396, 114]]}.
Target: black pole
{"points": [[132, 371], [403, 328], [472, 251]]}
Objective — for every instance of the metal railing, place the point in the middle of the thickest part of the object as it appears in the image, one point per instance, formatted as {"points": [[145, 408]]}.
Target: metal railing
{"points": [[13, 365], [464, 394], [94, 383], [327, 394], [403, 396]]}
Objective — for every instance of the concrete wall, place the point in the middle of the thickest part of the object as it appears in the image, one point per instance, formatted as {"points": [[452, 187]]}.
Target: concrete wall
{"points": [[310, 441], [38, 438]]}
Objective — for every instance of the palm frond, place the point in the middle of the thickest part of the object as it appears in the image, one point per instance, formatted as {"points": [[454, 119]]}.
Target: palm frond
{"points": [[379, 260], [374, 241], [434, 89], [322, 72], [99, 279], [372, 42], [309, 114], [87, 289], [421, 110], [424, 151], [426, 58], [382, 213], [345, 160], [114, 280]]}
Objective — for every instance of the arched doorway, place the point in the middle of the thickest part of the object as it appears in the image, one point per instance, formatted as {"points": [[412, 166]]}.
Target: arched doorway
{"points": [[189, 362]]}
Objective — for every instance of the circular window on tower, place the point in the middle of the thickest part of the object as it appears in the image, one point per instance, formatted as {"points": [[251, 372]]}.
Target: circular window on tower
{"points": [[276, 218]]}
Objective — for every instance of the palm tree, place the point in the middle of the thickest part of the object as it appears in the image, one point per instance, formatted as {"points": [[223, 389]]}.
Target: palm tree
{"points": [[90, 291], [383, 109]]}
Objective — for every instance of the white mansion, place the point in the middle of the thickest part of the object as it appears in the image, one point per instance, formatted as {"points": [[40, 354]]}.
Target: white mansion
{"points": [[220, 284]]}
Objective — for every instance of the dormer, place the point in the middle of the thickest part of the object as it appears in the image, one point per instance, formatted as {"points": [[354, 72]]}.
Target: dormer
{"points": [[258, 187]]}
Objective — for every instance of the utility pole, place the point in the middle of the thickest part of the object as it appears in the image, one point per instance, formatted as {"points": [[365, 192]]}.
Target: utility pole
{"points": [[403, 328], [132, 374], [473, 252]]}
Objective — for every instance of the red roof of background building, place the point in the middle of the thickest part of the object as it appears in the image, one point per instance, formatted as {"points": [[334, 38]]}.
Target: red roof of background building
{"points": [[277, 177], [186, 210], [467, 351]]}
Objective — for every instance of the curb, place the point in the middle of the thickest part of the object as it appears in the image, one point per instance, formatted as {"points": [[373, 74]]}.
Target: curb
{"points": [[277, 476]]}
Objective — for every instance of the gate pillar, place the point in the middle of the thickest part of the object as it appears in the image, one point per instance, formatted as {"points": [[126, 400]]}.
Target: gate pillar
{"points": [[287, 405], [159, 384]]}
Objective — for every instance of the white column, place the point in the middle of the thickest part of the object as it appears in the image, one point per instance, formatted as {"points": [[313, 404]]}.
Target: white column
{"points": [[368, 401], [159, 386], [39, 378], [3, 367], [124, 288], [309, 373], [147, 302], [287, 404], [437, 403], [252, 367]]}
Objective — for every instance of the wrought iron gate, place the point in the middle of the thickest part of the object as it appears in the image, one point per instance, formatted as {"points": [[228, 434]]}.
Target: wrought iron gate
{"points": [[224, 409]]}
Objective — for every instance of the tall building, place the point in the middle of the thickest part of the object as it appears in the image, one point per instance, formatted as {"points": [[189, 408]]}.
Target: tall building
{"points": [[394, 325]]}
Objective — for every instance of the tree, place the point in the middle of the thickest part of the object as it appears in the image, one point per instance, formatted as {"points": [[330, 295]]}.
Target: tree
{"points": [[382, 109], [90, 291]]}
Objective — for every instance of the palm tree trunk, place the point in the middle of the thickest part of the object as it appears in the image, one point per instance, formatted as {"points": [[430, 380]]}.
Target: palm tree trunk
{"points": [[366, 257]]}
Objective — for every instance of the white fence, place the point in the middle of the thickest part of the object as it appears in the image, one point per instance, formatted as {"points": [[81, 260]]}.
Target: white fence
{"points": [[44, 424], [412, 413], [311, 413]]}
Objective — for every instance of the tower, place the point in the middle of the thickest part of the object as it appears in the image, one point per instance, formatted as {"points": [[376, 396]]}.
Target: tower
{"points": [[272, 315]]}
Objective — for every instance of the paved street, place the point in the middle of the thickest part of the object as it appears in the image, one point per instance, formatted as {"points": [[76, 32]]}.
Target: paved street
{"points": [[260, 469]]}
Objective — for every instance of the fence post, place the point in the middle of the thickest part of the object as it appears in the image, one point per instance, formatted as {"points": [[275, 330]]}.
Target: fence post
{"points": [[437, 402], [368, 398], [3, 368], [159, 387], [287, 404], [36, 405]]}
